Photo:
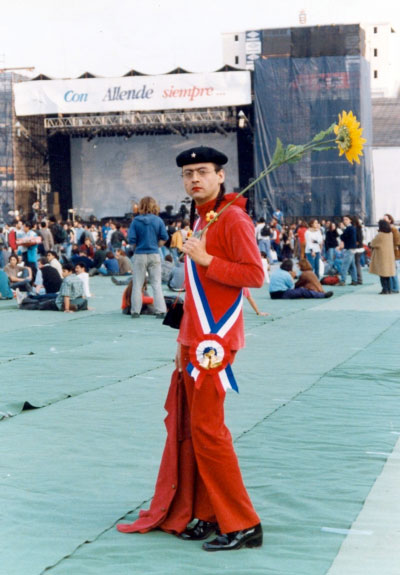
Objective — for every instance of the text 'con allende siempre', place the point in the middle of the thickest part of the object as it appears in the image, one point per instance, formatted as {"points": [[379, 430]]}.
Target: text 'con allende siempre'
{"points": [[144, 92]]}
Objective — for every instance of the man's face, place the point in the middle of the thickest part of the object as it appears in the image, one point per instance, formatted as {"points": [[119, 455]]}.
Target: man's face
{"points": [[202, 182], [346, 221], [49, 257]]}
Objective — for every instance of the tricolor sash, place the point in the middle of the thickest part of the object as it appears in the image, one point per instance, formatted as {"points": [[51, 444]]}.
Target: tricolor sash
{"points": [[209, 354]]}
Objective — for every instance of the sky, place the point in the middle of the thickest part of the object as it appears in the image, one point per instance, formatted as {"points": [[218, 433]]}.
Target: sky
{"points": [[65, 38]]}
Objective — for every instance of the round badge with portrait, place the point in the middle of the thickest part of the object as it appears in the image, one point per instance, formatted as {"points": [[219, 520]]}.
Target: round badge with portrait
{"points": [[210, 354]]}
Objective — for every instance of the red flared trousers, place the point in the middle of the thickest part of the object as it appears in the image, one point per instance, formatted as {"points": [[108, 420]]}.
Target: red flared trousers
{"points": [[220, 494], [199, 475]]}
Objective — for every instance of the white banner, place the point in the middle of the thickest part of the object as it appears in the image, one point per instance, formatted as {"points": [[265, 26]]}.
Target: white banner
{"points": [[132, 93]]}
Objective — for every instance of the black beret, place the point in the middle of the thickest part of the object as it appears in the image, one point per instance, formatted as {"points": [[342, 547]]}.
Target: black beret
{"points": [[201, 154]]}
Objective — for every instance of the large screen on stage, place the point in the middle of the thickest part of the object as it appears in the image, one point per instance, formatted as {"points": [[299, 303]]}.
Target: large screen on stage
{"points": [[110, 174]]}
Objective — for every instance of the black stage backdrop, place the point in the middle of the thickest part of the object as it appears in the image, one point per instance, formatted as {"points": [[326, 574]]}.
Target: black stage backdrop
{"points": [[109, 174]]}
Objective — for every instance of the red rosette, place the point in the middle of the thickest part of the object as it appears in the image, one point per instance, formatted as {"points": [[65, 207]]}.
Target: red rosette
{"points": [[210, 354]]}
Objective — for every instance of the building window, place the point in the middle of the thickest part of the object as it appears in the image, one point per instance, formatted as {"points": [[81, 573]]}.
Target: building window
{"points": [[236, 59], [375, 52], [236, 38], [375, 73], [375, 30]]}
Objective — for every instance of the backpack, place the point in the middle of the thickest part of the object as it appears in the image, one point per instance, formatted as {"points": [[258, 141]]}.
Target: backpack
{"points": [[265, 231], [59, 234]]}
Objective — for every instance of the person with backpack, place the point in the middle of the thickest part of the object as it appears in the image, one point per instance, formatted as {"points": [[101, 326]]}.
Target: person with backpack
{"points": [[117, 238], [59, 234], [263, 237]]}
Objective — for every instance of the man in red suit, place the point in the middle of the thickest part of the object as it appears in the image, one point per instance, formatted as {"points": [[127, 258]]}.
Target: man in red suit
{"points": [[199, 477]]}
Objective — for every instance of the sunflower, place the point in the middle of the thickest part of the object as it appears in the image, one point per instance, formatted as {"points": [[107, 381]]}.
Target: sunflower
{"points": [[349, 140]]}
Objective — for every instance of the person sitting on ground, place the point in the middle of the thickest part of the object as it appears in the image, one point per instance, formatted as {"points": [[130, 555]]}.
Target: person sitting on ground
{"points": [[99, 256], [87, 248], [110, 266], [177, 279], [124, 263], [46, 290], [147, 301], [70, 297], [52, 259], [167, 266], [19, 276], [51, 280], [82, 274], [307, 278], [5, 290], [79, 257], [282, 285]]}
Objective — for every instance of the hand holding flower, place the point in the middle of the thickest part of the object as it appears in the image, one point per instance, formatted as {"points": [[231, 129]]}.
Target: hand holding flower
{"points": [[195, 248]]}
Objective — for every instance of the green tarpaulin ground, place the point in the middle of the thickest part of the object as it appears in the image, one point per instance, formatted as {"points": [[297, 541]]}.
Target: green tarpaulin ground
{"points": [[81, 433]]}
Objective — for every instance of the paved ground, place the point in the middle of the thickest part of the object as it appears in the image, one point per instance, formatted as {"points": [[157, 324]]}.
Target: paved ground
{"points": [[316, 428]]}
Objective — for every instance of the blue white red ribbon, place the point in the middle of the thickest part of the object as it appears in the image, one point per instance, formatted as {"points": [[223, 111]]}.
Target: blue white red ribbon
{"points": [[210, 355]]}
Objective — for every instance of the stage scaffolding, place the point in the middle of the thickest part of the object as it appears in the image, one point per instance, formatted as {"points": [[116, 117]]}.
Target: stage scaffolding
{"points": [[6, 147], [31, 163], [177, 122], [24, 170]]}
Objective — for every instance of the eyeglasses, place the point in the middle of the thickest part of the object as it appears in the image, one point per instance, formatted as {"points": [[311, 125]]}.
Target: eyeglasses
{"points": [[202, 172]]}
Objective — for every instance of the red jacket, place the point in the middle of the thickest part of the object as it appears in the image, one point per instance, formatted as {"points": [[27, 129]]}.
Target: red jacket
{"points": [[236, 264]]}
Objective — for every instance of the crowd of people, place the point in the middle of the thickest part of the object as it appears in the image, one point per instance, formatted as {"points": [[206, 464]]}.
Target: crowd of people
{"points": [[37, 259], [333, 249], [41, 261]]}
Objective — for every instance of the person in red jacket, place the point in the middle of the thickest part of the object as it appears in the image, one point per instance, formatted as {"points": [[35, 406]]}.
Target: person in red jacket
{"points": [[199, 477]]}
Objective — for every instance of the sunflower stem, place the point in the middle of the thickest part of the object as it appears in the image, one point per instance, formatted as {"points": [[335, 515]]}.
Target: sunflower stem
{"points": [[272, 166]]}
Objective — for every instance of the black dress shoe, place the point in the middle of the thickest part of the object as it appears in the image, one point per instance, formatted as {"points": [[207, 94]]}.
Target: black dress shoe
{"points": [[201, 530], [252, 537]]}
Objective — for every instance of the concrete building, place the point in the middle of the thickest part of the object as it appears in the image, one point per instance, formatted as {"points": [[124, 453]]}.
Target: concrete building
{"points": [[386, 156], [379, 43]]}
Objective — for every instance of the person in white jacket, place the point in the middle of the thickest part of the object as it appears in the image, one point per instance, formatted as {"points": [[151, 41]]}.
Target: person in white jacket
{"points": [[314, 241]]}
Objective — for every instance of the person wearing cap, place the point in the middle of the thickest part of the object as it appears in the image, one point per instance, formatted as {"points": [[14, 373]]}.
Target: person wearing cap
{"points": [[199, 479]]}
